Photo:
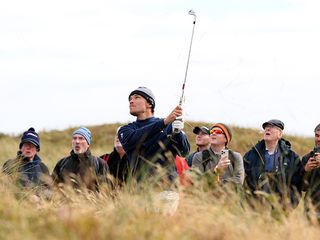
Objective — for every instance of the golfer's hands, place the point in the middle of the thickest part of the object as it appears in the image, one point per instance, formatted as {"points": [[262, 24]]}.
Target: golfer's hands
{"points": [[177, 125], [176, 112]]}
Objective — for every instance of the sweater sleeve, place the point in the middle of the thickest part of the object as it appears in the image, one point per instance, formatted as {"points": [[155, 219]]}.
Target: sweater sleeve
{"points": [[181, 143], [130, 135]]}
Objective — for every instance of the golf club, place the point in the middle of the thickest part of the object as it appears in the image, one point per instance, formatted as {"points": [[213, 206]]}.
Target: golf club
{"points": [[191, 12]]}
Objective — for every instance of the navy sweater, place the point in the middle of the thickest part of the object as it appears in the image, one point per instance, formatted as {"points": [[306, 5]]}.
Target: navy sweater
{"points": [[151, 140]]}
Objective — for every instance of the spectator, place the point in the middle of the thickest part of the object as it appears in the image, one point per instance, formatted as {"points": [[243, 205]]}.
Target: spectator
{"points": [[311, 184], [271, 166], [219, 159], [202, 141], [81, 169], [117, 161], [27, 167]]}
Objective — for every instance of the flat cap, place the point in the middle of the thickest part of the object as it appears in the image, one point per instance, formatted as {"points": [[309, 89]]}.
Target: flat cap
{"points": [[274, 122]]}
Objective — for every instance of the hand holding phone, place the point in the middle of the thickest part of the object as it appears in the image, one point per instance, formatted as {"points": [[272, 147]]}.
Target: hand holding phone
{"points": [[224, 161], [312, 163]]}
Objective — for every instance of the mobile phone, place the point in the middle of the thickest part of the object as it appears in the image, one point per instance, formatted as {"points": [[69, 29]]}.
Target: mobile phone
{"points": [[224, 153]]}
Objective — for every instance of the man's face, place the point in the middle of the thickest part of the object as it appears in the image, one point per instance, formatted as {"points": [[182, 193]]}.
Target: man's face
{"points": [[202, 139], [317, 138], [29, 150], [79, 144], [217, 136], [272, 133], [138, 104]]}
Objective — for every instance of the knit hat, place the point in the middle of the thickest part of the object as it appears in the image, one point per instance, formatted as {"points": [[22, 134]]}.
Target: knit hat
{"points": [[145, 93], [317, 128], [226, 130], [203, 129], [84, 132], [274, 122], [30, 136]]}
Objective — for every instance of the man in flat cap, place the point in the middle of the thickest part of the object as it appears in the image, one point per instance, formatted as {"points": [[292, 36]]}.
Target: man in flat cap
{"points": [[271, 166], [149, 141], [81, 169], [27, 166], [311, 181], [202, 141]]}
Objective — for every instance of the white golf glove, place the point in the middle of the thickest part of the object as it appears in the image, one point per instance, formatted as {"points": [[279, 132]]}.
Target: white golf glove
{"points": [[177, 125]]}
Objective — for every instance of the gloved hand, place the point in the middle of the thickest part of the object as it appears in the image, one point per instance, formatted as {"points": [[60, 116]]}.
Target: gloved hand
{"points": [[177, 125]]}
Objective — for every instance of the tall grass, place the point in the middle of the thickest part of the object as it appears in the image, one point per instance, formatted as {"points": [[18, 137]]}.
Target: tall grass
{"points": [[139, 212]]}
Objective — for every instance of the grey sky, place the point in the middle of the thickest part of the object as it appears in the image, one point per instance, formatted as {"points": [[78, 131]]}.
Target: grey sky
{"points": [[75, 62]]}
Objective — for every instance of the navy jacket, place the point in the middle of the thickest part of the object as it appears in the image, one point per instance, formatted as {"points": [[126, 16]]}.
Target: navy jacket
{"points": [[150, 141], [287, 178], [30, 173]]}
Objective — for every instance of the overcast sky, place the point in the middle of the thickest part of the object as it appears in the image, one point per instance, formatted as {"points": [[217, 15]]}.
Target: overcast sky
{"points": [[68, 62]]}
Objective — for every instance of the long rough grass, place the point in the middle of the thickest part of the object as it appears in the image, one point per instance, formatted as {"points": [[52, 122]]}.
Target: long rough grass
{"points": [[140, 212]]}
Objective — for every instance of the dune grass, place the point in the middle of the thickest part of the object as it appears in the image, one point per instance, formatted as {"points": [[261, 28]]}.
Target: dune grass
{"points": [[139, 212]]}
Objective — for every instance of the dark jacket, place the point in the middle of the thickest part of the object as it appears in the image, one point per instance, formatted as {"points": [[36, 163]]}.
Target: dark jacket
{"points": [[287, 178], [80, 170], [32, 173], [118, 167], [148, 142], [311, 182]]}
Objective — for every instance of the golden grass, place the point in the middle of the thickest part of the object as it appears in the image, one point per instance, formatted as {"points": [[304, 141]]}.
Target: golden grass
{"points": [[138, 215], [136, 212]]}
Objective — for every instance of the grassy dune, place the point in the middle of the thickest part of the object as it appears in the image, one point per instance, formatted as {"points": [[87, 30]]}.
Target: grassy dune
{"points": [[139, 212]]}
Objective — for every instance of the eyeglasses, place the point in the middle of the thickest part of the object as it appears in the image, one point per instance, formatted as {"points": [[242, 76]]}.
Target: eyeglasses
{"points": [[216, 131]]}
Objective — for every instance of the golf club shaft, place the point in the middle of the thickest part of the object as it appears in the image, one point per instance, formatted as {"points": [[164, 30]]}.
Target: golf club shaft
{"points": [[191, 12]]}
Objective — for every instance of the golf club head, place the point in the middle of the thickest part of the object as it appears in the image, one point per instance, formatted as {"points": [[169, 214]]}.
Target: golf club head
{"points": [[191, 12]]}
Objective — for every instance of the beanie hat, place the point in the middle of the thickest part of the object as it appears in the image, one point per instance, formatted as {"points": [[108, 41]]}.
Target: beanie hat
{"points": [[317, 128], [84, 132], [145, 93], [225, 129], [30, 136]]}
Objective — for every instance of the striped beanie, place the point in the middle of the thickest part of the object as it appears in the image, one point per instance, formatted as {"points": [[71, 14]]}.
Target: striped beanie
{"points": [[226, 130], [84, 132]]}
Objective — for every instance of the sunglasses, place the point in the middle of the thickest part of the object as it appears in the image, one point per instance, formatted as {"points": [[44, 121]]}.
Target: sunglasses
{"points": [[216, 131]]}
